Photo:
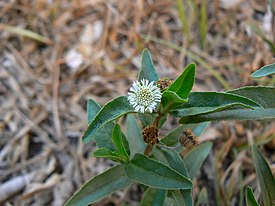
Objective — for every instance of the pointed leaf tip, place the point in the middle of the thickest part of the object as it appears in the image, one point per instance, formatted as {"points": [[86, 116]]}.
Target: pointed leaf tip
{"points": [[147, 70], [183, 85], [250, 198], [264, 176], [264, 71]]}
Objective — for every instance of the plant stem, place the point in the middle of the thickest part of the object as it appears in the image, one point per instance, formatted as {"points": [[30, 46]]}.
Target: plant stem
{"points": [[148, 149], [156, 122]]}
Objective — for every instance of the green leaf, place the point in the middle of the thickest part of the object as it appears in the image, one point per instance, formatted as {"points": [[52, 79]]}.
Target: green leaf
{"points": [[148, 70], [184, 83], [205, 102], [169, 200], [182, 197], [133, 135], [112, 155], [92, 109], [172, 158], [172, 138], [194, 158], [261, 96], [264, 71], [153, 197], [264, 96], [100, 186], [103, 136], [202, 198], [236, 114], [264, 177], [155, 174], [109, 112], [146, 119], [171, 100], [120, 142], [250, 198]]}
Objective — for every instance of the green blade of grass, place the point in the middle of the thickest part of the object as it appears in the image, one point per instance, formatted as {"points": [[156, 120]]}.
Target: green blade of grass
{"points": [[183, 17], [261, 34], [264, 176], [203, 24], [26, 33]]}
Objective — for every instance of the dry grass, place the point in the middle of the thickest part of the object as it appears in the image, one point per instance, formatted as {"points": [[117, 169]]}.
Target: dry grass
{"points": [[55, 55]]}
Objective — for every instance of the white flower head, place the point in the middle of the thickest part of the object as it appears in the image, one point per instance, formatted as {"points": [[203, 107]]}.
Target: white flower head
{"points": [[144, 96]]}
